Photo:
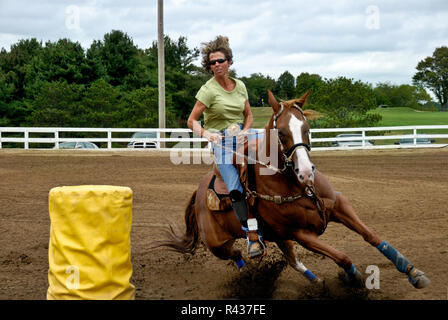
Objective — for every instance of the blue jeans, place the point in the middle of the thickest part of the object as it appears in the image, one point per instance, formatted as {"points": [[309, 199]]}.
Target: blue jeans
{"points": [[224, 160]]}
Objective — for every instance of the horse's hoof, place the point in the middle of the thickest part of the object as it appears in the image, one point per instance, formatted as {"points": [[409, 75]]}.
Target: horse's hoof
{"points": [[353, 280], [418, 279], [320, 284]]}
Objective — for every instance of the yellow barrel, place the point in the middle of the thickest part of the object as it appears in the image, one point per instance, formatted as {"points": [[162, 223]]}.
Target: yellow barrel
{"points": [[89, 252]]}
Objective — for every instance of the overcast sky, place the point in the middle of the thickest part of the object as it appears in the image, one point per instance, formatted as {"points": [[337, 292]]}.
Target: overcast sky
{"points": [[374, 41]]}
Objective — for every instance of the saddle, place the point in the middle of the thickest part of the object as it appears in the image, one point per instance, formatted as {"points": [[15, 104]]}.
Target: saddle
{"points": [[218, 198]]}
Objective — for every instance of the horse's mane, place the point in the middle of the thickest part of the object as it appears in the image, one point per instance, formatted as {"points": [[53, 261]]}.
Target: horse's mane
{"points": [[312, 114]]}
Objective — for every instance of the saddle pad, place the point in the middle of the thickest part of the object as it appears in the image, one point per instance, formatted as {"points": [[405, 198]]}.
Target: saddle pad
{"points": [[217, 183], [217, 201]]}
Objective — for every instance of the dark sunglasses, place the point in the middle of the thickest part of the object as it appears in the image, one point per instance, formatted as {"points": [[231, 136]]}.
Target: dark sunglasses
{"points": [[213, 62]]}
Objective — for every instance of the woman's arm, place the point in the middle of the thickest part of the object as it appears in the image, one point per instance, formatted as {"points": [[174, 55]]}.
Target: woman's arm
{"points": [[193, 123], [248, 119]]}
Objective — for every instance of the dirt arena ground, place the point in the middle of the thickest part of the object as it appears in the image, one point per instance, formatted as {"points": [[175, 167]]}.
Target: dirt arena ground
{"points": [[401, 194]]}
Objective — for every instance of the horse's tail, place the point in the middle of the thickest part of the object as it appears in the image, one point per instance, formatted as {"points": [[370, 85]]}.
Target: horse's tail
{"points": [[188, 242]]}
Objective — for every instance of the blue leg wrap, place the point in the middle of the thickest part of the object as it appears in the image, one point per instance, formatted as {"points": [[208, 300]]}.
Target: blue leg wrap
{"points": [[240, 263], [352, 270], [400, 261], [309, 275]]}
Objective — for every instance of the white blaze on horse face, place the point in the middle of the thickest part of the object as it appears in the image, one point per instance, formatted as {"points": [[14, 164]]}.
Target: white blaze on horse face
{"points": [[301, 158]]}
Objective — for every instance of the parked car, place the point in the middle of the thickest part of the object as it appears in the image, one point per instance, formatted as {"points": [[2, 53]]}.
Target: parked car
{"points": [[143, 141], [77, 145], [354, 143], [409, 141]]}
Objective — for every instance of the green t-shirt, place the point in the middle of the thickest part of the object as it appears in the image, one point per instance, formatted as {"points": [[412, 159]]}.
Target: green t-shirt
{"points": [[223, 107]]}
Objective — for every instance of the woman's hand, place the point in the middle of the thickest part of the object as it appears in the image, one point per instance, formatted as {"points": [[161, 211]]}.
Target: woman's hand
{"points": [[212, 137], [241, 137]]}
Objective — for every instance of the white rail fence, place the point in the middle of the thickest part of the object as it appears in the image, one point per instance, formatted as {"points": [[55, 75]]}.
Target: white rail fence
{"points": [[181, 139]]}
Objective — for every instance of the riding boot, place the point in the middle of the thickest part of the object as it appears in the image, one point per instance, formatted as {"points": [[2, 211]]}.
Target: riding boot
{"points": [[255, 245]]}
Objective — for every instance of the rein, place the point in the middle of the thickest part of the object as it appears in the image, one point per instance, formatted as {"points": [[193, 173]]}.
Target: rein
{"points": [[288, 162]]}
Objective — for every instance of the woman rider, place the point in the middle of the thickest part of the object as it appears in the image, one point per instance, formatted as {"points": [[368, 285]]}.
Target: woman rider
{"points": [[224, 102]]}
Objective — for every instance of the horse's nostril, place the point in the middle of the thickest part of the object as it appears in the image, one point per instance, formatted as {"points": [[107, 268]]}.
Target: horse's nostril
{"points": [[296, 170], [301, 177], [313, 168]]}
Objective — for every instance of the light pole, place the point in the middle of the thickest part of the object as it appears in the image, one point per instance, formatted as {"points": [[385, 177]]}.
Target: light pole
{"points": [[161, 69]]}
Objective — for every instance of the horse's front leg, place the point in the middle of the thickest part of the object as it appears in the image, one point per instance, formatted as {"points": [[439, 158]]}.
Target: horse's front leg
{"points": [[287, 247], [226, 251], [310, 241], [344, 212]]}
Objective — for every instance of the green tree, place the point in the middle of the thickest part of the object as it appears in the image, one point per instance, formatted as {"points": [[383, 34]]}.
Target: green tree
{"points": [[101, 101], [13, 113], [62, 60], [140, 109], [7, 88], [145, 73], [409, 96], [383, 92], [306, 81], [257, 86], [345, 103], [15, 66], [182, 78], [57, 105], [112, 59], [346, 93], [432, 73], [285, 88], [96, 66], [401, 95]]}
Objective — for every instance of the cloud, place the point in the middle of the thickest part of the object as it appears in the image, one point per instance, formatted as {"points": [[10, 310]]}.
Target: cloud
{"points": [[381, 40]]}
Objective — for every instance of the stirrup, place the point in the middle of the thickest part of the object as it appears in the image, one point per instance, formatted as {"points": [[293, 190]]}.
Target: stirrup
{"points": [[257, 252]]}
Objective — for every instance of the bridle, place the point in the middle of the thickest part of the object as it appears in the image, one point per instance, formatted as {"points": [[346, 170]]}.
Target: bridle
{"points": [[288, 154]]}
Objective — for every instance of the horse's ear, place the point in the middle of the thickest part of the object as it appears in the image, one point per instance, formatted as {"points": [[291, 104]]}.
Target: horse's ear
{"points": [[301, 101], [273, 102]]}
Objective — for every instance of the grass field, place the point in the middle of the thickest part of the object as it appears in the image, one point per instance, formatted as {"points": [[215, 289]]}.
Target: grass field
{"points": [[261, 116], [391, 117], [410, 117]]}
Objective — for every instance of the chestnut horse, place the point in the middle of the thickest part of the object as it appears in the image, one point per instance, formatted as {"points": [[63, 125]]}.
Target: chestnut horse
{"points": [[292, 202]]}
